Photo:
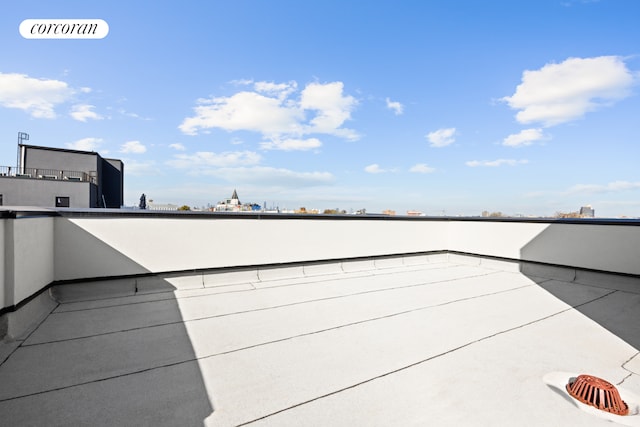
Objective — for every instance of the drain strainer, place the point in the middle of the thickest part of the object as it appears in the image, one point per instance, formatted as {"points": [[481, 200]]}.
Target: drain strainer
{"points": [[597, 397], [598, 393]]}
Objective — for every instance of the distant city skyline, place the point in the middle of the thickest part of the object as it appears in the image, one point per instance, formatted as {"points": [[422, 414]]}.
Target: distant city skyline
{"points": [[527, 107]]}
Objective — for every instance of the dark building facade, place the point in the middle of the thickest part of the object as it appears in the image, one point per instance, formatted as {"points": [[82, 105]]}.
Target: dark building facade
{"points": [[55, 177], [587, 212]]}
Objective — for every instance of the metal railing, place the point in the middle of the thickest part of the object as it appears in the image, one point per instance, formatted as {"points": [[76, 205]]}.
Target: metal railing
{"points": [[52, 174]]}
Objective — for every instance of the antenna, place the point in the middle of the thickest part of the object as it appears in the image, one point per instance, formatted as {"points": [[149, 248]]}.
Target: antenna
{"points": [[22, 136]]}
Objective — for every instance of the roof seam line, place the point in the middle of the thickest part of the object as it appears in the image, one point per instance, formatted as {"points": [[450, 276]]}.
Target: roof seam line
{"points": [[268, 343], [270, 308], [359, 275], [624, 364], [626, 377], [264, 288], [44, 318], [405, 367]]}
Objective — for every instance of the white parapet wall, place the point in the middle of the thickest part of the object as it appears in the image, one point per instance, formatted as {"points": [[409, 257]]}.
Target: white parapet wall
{"points": [[2, 264], [490, 238], [33, 255], [42, 248], [151, 245], [27, 254], [610, 246]]}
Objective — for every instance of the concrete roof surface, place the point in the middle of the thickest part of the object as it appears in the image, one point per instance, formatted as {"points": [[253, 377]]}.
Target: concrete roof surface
{"points": [[440, 343]]}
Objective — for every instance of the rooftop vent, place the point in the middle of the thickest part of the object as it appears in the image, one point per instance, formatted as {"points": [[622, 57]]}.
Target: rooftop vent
{"points": [[598, 393]]}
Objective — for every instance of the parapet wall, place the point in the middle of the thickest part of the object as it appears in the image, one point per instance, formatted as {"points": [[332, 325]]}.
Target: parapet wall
{"points": [[611, 246], [45, 247], [138, 245], [27, 253]]}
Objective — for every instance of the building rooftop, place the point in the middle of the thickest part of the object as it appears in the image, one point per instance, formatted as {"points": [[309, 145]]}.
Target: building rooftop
{"points": [[426, 341], [439, 338]]}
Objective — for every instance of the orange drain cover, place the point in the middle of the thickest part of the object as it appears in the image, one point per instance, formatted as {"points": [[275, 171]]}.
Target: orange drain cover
{"points": [[598, 393]]}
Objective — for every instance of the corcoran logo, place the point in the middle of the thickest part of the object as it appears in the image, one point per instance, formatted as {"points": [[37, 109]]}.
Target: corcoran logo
{"points": [[64, 29]]}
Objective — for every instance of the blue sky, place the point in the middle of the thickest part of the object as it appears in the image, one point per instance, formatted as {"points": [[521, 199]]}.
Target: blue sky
{"points": [[455, 107]]}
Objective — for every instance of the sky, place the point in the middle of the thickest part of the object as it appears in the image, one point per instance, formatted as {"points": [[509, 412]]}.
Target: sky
{"points": [[448, 107]]}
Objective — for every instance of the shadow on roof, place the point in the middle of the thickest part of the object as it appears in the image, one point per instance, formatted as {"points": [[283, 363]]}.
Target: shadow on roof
{"points": [[617, 297], [616, 310], [111, 353]]}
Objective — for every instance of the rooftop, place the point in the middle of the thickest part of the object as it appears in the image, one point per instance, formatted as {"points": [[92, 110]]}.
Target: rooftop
{"points": [[439, 337]]}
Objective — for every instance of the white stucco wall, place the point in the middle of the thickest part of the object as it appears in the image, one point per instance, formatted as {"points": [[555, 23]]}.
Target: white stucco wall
{"points": [[47, 249], [500, 239], [139, 245], [3, 223], [80, 253], [612, 248], [33, 255], [26, 251]]}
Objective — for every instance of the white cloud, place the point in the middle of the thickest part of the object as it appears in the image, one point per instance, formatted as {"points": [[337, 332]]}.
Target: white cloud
{"points": [[82, 112], [271, 111], [291, 144], [524, 137], [441, 137], [374, 168], [590, 189], [134, 167], [332, 107], [397, 107], [612, 187], [280, 90], [269, 176], [37, 97], [421, 168], [559, 93], [133, 115], [206, 159], [135, 147], [244, 111], [178, 146], [569, 3], [495, 163], [242, 82], [85, 144]]}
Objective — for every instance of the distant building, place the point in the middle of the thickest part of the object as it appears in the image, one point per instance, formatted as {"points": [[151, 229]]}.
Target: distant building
{"points": [[587, 212], [233, 204], [390, 212], [55, 177], [304, 210], [229, 205], [584, 212], [162, 206]]}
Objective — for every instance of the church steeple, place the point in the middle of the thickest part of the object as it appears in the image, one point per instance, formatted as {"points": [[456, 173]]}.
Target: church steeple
{"points": [[235, 196]]}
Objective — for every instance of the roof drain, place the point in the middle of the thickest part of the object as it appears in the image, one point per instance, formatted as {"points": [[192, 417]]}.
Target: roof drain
{"points": [[594, 395], [598, 393]]}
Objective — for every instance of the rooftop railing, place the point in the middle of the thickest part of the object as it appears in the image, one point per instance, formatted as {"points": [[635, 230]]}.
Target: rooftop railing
{"points": [[40, 173]]}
